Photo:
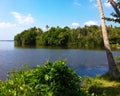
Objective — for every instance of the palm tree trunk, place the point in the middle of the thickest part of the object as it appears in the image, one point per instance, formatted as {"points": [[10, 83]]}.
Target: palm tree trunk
{"points": [[113, 70]]}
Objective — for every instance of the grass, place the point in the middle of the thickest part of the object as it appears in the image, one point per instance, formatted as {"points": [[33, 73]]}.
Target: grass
{"points": [[102, 86]]}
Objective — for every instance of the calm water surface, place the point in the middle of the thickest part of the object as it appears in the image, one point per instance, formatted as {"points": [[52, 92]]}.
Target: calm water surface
{"points": [[85, 62]]}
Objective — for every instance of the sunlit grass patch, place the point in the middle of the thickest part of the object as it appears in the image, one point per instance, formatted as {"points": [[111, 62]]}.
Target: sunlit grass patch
{"points": [[99, 86]]}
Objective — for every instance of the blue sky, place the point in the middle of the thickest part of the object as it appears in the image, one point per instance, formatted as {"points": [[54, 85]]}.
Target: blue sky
{"points": [[18, 15]]}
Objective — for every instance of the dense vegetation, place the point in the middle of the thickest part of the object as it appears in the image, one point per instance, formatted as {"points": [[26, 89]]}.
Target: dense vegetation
{"points": [[102, 86], [86, 37], [27, 37], [52, 79], [56, 79]]}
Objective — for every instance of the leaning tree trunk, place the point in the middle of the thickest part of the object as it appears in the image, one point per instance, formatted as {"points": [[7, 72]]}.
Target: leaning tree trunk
{"points": [[113, 70], [115, 6]]}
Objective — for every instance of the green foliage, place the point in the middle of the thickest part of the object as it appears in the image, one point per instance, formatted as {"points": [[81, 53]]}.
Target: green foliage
{"points": [[100, 86], [27, 37], [118, 62], [115, 18], [86, 37], [53, 37], [114, 37], [52, 79], [118, 59]]}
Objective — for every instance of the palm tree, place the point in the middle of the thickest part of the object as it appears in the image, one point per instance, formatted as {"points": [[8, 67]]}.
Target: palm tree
{"points": [[113, 70], [116, 14], [47, 27], [115, 6]]}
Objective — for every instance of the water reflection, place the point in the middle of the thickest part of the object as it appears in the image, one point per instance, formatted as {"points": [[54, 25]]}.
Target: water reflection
{"points": [[85, 62]]}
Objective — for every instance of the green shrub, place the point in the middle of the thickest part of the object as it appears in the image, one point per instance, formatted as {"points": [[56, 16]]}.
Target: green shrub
{"points": [[52, 79]]}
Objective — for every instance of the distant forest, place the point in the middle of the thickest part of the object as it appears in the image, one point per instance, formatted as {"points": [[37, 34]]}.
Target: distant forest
{"points": [[85, 37]]}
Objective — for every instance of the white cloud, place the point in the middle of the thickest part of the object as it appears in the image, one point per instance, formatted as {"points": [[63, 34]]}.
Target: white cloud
{"points": [[107, 4], [76, 3], [74, 24], [88, 23], [23, 19], [91, 0], [6, 25]]}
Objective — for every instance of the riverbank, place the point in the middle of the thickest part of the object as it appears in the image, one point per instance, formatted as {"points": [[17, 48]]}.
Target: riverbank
{"points": [[51, 79], [102, 86], [115, 46], [56, 79], [88, 37]]}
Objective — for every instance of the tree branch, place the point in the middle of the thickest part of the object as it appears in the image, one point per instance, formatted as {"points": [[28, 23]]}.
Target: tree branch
{"points": [[115, 6]]}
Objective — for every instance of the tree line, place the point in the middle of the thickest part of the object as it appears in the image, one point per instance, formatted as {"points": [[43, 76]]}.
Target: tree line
{"points": [[86, 37]]}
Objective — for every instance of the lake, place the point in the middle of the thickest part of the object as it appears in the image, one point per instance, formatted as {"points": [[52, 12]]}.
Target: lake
{"points": [[84, 62]]}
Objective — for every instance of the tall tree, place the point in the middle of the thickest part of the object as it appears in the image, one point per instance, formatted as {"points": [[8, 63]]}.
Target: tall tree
{"points": [[47, 27], [115, 15], [113, 70], [115, 6]]}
